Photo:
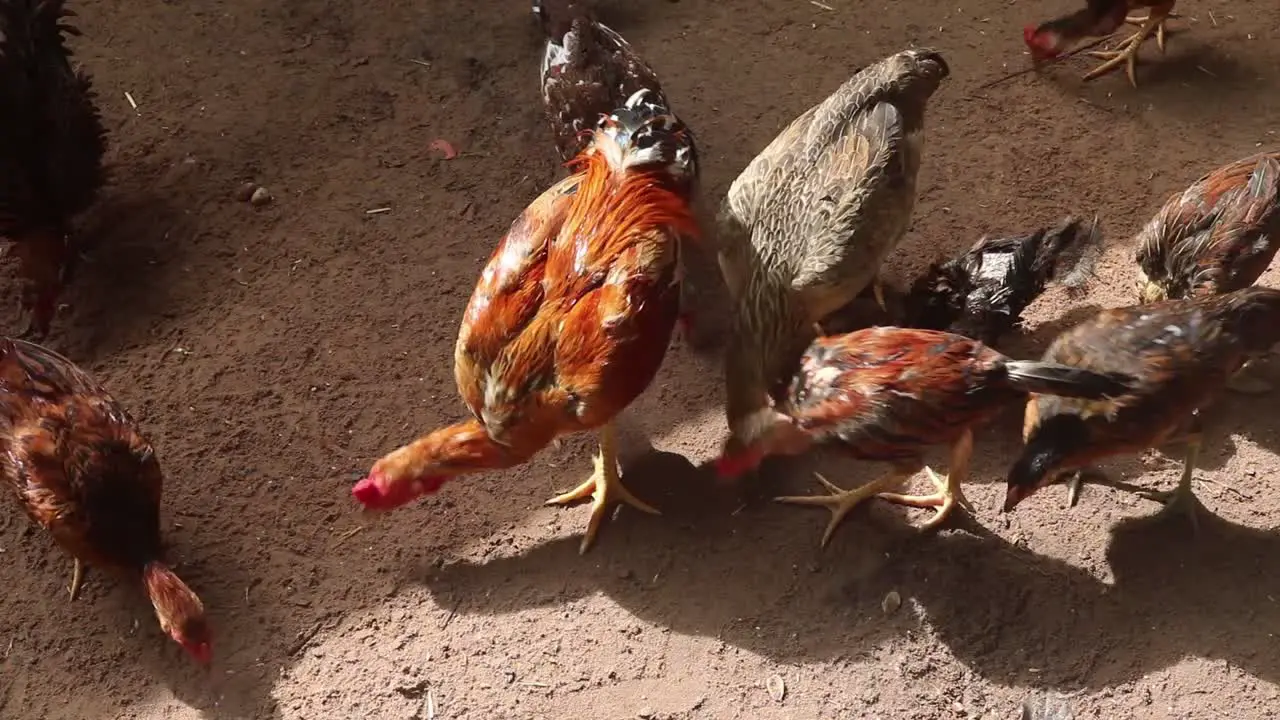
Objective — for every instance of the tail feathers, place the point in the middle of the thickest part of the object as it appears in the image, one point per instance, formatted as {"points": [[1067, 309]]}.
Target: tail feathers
{"points": [[1066, 381], [51, 137]]}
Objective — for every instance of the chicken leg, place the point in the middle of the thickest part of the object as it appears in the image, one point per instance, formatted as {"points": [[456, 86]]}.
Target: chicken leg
{"points": [[840, 501], [604, 487], [949, 493], [1126, 53], [1181, 499], [77, 579]]}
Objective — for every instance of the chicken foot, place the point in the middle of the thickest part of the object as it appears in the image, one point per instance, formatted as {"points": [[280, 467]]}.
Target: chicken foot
{"points": [[949, 494], [77, 579], [841, 502], [1126, 53], [604, 487], [1182, 499]]}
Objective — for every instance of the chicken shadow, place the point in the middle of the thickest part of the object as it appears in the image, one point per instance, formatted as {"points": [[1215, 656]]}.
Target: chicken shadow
{"points": [[131, 260], [1013, 616], [1190, 82]]}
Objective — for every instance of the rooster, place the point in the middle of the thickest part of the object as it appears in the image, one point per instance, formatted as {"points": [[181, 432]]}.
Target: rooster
{"points": [[51, 147], [1100, 18], [78, 465], [570, 320]]}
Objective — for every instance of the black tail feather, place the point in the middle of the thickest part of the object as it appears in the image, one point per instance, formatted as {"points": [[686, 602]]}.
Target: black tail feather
{"points": [[52, 140], [1053, 379]]}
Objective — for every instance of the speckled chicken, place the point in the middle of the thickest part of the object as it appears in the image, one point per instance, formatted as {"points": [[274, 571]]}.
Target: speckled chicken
{"points": [[570, 319], [1181, 353], [78, 465], [588, 70], [808, 223], [982, 293], [1218, 235], [51, 148], [1100, 18], [888, 394]]}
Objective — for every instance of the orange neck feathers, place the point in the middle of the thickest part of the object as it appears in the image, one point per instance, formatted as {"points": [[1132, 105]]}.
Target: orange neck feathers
{"points": [[613, 204]]}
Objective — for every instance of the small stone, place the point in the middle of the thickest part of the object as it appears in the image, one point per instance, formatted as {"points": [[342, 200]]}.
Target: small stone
{"points": [[261, 196], [891, 602], [645, 714], [777, 688], [245, 192]]}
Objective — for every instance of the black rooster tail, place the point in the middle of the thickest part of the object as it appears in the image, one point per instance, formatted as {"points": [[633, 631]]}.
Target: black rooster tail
{"points": [[1066, 381], [52, 140]]}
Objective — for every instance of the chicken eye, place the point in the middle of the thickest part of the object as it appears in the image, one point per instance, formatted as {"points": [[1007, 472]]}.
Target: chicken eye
{"points": [[645, 141]]}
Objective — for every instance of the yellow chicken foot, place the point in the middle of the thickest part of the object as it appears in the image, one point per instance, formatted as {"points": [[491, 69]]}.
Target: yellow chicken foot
{"points": [[1126, 53], [1160, 29], [1181, 499], [949, 493], [77, 579], [604, 487], [840, 501]]}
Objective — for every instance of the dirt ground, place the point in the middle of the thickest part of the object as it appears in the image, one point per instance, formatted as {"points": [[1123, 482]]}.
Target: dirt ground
{"points": [[274, 352]]}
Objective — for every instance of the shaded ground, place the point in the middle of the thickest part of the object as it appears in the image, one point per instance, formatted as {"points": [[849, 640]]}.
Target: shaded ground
{"points": [[274, 352]]}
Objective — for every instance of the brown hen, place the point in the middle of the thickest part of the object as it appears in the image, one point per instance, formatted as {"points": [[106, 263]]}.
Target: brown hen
{"points": [[51, 148], [570, 320], [1181, 353], [81, 469], [888, 393]]}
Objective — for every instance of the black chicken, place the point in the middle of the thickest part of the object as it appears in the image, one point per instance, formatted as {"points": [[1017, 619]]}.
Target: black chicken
{"points": [[51, 147]]}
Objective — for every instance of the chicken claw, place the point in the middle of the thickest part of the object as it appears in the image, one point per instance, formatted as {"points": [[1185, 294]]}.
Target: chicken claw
{"points": [[605, 489], [840, 501], [77, 579], [1126, 53], [1181, 499], [949, 495]]}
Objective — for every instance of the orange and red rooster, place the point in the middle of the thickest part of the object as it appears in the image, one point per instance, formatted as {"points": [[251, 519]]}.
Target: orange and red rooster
{"points": [[571, 317]]}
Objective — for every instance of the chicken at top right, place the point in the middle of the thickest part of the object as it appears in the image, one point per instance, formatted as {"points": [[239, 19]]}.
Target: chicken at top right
{"points": [[1218, 235]]}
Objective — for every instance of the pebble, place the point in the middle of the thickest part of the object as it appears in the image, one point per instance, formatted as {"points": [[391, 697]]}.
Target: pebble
{"points": [[891, 602], [245, 192], [261, 196]]}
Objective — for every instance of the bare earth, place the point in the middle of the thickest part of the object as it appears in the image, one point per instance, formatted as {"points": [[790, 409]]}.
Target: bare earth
{"points": [[274, 352]]}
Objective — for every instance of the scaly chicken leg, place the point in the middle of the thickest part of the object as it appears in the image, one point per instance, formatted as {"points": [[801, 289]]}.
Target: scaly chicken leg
{"points": [[949, 493], [604, 487], [840, 501], [1126, 53], [1182, 498], [77, 579]]}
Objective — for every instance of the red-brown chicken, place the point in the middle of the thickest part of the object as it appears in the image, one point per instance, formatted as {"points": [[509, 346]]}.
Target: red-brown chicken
{"points": [[1100, 18], [1181, 354], [51, 147], [80, 468], [1218, 235], [570, 320], [888, 393]]}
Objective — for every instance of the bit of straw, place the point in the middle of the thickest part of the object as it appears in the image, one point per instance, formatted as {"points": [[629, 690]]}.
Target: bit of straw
{"points": [[815, 3], [132, 103], [377, 211], [1017, 73]]}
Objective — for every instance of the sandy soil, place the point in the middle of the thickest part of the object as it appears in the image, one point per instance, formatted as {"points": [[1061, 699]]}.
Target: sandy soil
{"points": [[273, 352]]}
